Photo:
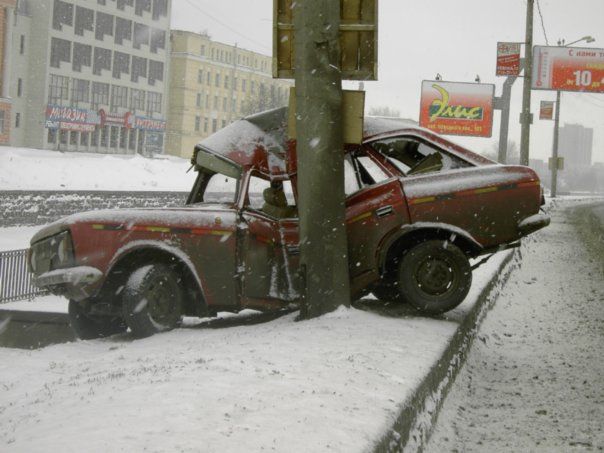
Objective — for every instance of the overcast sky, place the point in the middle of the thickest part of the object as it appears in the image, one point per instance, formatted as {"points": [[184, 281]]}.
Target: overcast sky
{"points": [[419, 38]]}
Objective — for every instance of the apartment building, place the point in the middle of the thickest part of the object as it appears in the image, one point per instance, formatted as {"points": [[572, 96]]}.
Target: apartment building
{"points": [[213, 84], [90, 75], [576, 146], [7, 8]]}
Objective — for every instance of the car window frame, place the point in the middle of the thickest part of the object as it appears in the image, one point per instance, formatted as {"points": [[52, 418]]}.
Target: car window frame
{"points": [[242, 206]]}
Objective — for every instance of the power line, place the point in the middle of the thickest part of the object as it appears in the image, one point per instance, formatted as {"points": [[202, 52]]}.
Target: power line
{"points": [[218, 21], [542, 23]]}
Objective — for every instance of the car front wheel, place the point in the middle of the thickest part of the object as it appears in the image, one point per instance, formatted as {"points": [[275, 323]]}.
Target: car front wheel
{"points": [[87, 326], [153, 300], [434, 276]]}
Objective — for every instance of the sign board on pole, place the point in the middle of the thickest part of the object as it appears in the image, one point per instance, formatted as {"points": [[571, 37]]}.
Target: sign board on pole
{"points": [[508, 59], [568, 69], [358, 39], [546, 110], [353, 108], [457, 108], [550, 163]]}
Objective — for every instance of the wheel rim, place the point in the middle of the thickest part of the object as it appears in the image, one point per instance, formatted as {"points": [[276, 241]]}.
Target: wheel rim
{"points": [[161, 295], [436, 275]]}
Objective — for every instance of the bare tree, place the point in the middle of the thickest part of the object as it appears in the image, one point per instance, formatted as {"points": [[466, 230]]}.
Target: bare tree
{"points": [[513, 154], [384, 110], [265, 98]]}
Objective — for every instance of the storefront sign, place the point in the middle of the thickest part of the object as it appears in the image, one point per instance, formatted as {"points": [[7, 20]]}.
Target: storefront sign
{"points": [[455, 108], [568, 69], [114, 119], [546, 110], [56, 113], [508, 59], [149, 124], [76, 127]]}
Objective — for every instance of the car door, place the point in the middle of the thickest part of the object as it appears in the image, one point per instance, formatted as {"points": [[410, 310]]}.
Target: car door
{"points": [[375, 206], [269, 249]]}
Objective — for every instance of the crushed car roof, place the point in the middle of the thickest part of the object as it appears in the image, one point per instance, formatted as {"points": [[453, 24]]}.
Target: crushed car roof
{"points": [[261, 141]]}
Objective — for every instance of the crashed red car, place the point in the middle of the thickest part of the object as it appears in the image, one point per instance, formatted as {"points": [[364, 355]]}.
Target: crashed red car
{"points": [[418, 208]]}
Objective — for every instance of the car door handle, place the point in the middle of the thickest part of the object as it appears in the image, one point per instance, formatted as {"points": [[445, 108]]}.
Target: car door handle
{"points": [[293, 249], [384, 211]]}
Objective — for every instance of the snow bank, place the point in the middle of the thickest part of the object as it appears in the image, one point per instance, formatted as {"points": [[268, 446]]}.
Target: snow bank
{"points": [[33, 169], [333, 383]]}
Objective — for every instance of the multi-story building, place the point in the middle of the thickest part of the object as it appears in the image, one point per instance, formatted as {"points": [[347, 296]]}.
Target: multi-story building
{"points": [[90, 75], [213, 84], [575, 145], [7, 8]]}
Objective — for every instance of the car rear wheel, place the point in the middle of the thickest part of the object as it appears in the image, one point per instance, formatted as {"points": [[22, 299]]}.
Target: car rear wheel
{"points": [[434, 276], [153, 300], [88, 327]]}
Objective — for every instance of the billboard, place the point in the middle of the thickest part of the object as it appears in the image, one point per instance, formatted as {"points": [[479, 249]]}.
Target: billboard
{"points": [[457, 108], [546, 110], [568, 69], [508, 59]]}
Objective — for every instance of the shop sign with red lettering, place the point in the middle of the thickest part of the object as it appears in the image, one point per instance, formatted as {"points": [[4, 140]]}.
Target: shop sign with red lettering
{"points": [[56, 113], [508, 59], [568, 69], [546, 110], [457, 108], [76, 127], [149, 124]]}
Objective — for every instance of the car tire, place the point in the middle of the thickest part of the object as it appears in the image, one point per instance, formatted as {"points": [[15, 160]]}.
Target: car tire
{"points": [[89, 327], [153, 300], [434, 276]]}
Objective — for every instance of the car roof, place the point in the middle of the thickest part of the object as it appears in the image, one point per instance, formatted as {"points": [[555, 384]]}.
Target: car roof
{"points": [[261, 141]]}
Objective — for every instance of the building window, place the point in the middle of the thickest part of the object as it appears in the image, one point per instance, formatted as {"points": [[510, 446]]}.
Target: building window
{"points": [[224, 104], [84, 20], [62, 14], [22, 45], [137, 99], [214, 125], [58, 89], [121, 64], [104, 25], [198, 100], [19, 87], [132, 140], [113, 138], [51, 136], [123, 138], [160, 9], [2, 125], [202, 52], [105, 136], [197, 123], [207, 104], [200, 76], [235, 83], [100, 94], [94, 139], [119, 97], [139, 68], [142, 5], [223, 123], [215, 102], [158, 40], [60, 51], [73, 138], [80, 91], [208, 78], [217, 80], [102, 60], [153, 102], [17, 120], [156, 71], [226, 81], [123, 30], [141, 35], [253, 87], [244, 85], [82, 56], [84, 138], [205, 125], [121, 4]]}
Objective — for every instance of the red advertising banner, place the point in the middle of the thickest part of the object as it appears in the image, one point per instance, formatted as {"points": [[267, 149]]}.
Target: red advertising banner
{"points": [[568, 69], [546, 110], [508, 59], [456, 108]]}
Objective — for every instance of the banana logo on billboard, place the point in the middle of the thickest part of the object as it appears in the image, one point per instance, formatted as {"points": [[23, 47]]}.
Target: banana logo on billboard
{"points": [[440, 108]]}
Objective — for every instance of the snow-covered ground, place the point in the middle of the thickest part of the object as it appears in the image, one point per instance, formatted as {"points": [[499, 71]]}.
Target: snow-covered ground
{"points": [[34, 169], [334, 383], [534, 381]]}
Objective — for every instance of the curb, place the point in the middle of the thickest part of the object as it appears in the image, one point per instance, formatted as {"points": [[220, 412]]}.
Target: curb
{"points": [[413, 425], [34, 329]]}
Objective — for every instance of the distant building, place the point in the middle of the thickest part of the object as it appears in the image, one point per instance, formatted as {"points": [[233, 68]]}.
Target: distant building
{"points": [[90, 75], [213, 84], [7, 8], [575, 145]]}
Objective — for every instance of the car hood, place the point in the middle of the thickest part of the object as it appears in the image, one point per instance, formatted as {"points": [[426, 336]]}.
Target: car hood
{"points": [[194, 215]]}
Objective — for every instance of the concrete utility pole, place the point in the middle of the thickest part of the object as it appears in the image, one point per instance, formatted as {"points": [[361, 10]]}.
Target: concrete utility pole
{"points": [[504, 106], [320, 151], [554, 187], [525, 115]]}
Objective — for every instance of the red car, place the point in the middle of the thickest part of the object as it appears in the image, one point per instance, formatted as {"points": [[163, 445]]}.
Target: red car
{"points": [[418, 208]]}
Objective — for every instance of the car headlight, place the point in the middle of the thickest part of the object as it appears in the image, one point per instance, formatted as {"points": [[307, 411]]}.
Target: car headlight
{"points": [[55, 252], [64, 250]]}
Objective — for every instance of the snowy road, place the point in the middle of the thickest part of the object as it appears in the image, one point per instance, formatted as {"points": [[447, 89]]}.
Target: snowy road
{"points": [[534, 380]]}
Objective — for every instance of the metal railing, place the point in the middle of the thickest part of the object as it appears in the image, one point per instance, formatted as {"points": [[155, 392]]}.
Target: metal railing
{"points": [[15, 278]]}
